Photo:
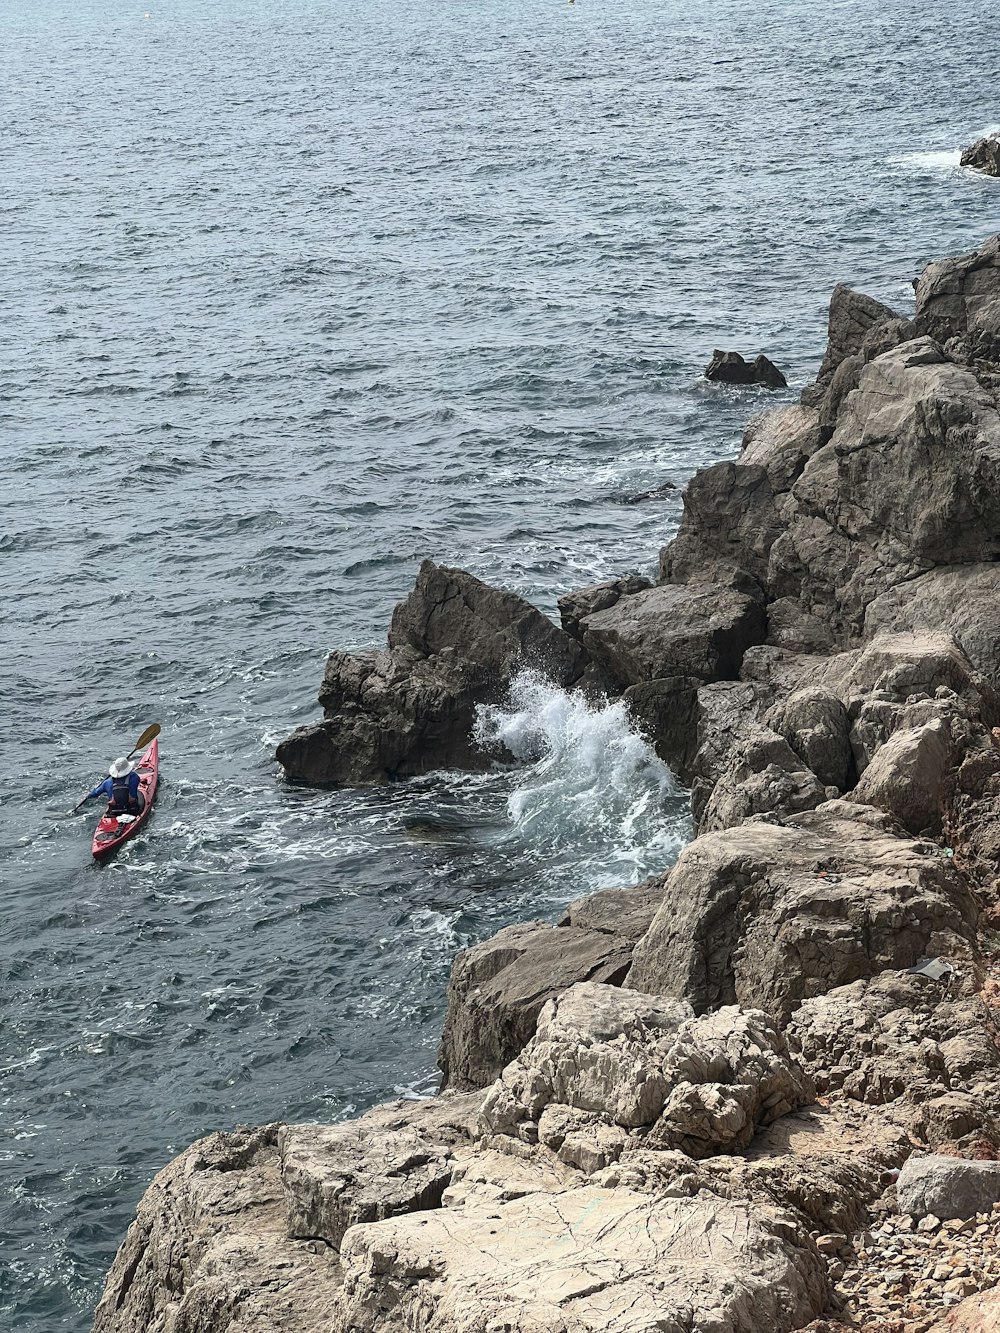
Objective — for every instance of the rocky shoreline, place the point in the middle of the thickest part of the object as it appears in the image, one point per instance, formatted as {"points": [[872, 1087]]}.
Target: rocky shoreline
{"points": [[761, 1091]]}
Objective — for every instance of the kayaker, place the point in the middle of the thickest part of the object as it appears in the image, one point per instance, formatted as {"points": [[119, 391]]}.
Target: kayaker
{"points": [[121, 787]]}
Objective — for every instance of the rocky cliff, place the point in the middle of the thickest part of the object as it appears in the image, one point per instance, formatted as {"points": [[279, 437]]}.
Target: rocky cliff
{"points": [[761, 1091]]}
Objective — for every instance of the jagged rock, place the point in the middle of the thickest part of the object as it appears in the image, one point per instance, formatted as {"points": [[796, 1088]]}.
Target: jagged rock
{"points": [[852, 316], [581, 1260], [905, 1041], [728, 714], [815, 724], [454, 643], [770, 914], [730, 368], [978, 1314], [781, 441], [607, 1057], [207, 1252], [498, 988], [666, 712], [983, 155], [958, 303], [907, 776], [575, 606], [626, 913], [764, 777], [947, 1187], [962, 600], [696, 630], [399, 1158]]}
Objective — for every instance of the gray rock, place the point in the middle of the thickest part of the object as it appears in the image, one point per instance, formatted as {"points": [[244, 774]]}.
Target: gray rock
{"points": [[815, 724], [453, 645], [908, 776], [958, 301], [763, 777], [575, 606], [583, 1259], [703, 1085], [207, 1252], [730, 368], [961, 600], [947, 1187], [625, 913], [852, 317], [767, 915], [498, 988], [696, 630], [983, 155], [782, 441], [399, 1158], [666, 712]]}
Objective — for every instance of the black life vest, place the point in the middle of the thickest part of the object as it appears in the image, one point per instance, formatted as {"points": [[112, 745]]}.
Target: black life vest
{"points": [[122, 799]]}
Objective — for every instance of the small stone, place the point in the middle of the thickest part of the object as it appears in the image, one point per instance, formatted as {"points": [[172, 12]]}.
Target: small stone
{"points": [[929, 1223], [832, 1243]]}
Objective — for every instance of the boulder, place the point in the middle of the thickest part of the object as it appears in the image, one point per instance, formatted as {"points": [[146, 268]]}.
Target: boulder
{"points": [[730, 368], [947, 1187], [958, 302], [666, 712], [499, 987], [630, 1062], [579, 1260], [781, 441], [764, 777], [977, 1314], [208, 1251], [983, 155], [625, 913], [852, 316], [454, 644], [767, 915], [815, 724], [575, 606], [908, 776], [698, 630]]}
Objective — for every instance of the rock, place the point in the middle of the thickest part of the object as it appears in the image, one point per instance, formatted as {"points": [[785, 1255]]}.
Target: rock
{"points": [[625, 913], [961, 600], [900, 1040], [763, 777], [958, 302], [815, 724], [781, 441], [907, 776], [612, 1057], [696, 630], [582, 1259], [767, 915], [852, 316], [453, 645], [207, 1252], [498, 988], [666, 712], [575, 606], [730, 368], [978, 1314], [399, 1158], [668, 489], [983, 155], [947, 1186]]}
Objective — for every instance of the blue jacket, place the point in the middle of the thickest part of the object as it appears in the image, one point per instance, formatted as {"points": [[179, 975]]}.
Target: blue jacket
{"points": [[123, 793]]}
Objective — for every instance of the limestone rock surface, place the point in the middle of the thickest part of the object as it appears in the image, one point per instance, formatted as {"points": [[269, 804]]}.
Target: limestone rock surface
{"points": [[767, 915], [581, 1261], [498, 988]]}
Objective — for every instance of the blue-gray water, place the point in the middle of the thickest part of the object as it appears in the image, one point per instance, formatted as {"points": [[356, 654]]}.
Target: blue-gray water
{"points": [[292, 295]]}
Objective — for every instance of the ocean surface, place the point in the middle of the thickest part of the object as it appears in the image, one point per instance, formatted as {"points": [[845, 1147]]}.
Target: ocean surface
{"points": [[291, 296]]}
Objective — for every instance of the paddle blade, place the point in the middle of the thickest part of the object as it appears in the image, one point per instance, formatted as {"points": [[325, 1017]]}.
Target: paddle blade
{"points": [[150, 734]]}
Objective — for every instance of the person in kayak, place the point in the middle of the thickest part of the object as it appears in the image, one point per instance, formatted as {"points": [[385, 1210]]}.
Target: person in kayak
{"points": [[121, 787]]}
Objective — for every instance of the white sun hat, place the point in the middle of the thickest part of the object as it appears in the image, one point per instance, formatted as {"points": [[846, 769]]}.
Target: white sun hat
{"points": [[120, 767]]}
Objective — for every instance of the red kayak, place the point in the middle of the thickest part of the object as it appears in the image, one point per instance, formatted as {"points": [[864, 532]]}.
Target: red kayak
{"points": [[113, 830]]}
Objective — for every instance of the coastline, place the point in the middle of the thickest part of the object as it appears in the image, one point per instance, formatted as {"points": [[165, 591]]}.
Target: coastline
{"points": [[741, 1044]]}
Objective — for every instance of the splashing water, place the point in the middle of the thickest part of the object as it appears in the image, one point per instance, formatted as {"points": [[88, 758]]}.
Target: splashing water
{"points": [[593, 784]]}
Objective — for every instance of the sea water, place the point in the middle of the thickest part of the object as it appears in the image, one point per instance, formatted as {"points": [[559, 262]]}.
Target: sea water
{"points": [[291, 296]]}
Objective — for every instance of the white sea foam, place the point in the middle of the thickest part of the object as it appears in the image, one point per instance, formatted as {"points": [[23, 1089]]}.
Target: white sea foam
{"points": [[590, 780]]}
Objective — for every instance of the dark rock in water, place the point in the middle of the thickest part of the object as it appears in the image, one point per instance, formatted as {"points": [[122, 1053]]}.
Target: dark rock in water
{"points": [[656, 493], [983, 155], [453, 645], [730, 368]]}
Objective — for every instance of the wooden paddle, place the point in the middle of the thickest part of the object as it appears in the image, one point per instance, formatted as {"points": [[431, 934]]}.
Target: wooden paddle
{"points": [[150, 734]]}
